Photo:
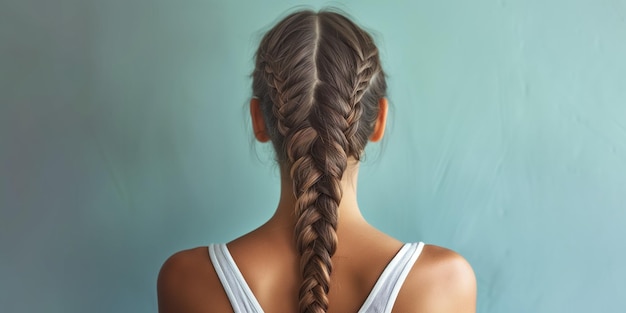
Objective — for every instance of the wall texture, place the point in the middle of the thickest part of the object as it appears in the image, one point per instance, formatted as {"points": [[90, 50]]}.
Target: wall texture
{"points": [[123, 139]]}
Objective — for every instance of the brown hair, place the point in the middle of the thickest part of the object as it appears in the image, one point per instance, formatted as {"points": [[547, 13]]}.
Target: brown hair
{"points": [[319, 80]]}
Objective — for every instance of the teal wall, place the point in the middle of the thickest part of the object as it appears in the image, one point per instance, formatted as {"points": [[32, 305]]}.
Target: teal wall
{"points": [[123, 138]]}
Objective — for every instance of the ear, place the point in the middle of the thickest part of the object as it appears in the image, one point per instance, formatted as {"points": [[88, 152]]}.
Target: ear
{"points": [[258, 123], [381, 120]]}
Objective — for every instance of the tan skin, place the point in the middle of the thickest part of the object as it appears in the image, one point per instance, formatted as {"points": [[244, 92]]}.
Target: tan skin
{"points": [[441, 281]]}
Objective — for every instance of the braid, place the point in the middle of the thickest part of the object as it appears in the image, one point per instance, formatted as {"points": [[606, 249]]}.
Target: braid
{"points": [[285, 99], [313, 90], [365, 71], [317, 181]]}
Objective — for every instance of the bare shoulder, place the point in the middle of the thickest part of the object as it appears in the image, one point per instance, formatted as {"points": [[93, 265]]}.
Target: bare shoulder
{"points": [[441, 281], [188, 283]]}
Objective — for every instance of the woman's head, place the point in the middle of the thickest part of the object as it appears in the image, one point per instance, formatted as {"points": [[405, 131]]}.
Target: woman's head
{"points": [[319, 93], [319, 70]]}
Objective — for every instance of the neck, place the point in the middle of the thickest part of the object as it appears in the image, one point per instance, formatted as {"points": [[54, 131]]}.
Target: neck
{"points": [[348, 210]]}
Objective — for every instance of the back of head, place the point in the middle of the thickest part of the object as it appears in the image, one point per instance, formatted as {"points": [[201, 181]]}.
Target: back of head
{"points": [[319, 81]]}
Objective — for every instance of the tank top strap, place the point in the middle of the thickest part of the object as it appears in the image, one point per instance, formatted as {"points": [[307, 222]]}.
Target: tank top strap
{"points": [[380, 300], [383, 296], [241, 298]]}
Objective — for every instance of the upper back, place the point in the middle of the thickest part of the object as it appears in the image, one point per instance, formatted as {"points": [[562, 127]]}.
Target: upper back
{"points": [[439, 281], [381, 298]]}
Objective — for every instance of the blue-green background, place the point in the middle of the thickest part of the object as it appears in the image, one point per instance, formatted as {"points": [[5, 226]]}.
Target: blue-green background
{"points": [[124, 138]]}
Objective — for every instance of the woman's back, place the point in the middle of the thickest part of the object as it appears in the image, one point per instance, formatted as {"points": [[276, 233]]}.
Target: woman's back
{"points": [[319, 97], [439, 281]]}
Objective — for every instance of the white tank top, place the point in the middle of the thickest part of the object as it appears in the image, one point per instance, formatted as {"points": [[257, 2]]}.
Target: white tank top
{"points": [[380, 300]]}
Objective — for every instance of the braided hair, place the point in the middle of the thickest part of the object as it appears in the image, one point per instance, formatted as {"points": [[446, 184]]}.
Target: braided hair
{"points": [[318, 78]]}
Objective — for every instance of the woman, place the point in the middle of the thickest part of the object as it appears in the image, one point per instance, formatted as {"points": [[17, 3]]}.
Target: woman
{"points": [[319, 97]]}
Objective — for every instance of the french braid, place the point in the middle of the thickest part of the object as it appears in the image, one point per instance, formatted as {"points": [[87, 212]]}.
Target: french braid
{"points": [[319, 79]]}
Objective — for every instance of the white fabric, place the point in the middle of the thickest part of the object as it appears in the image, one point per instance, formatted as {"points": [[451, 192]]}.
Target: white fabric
{"points": [[380, 300]]}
